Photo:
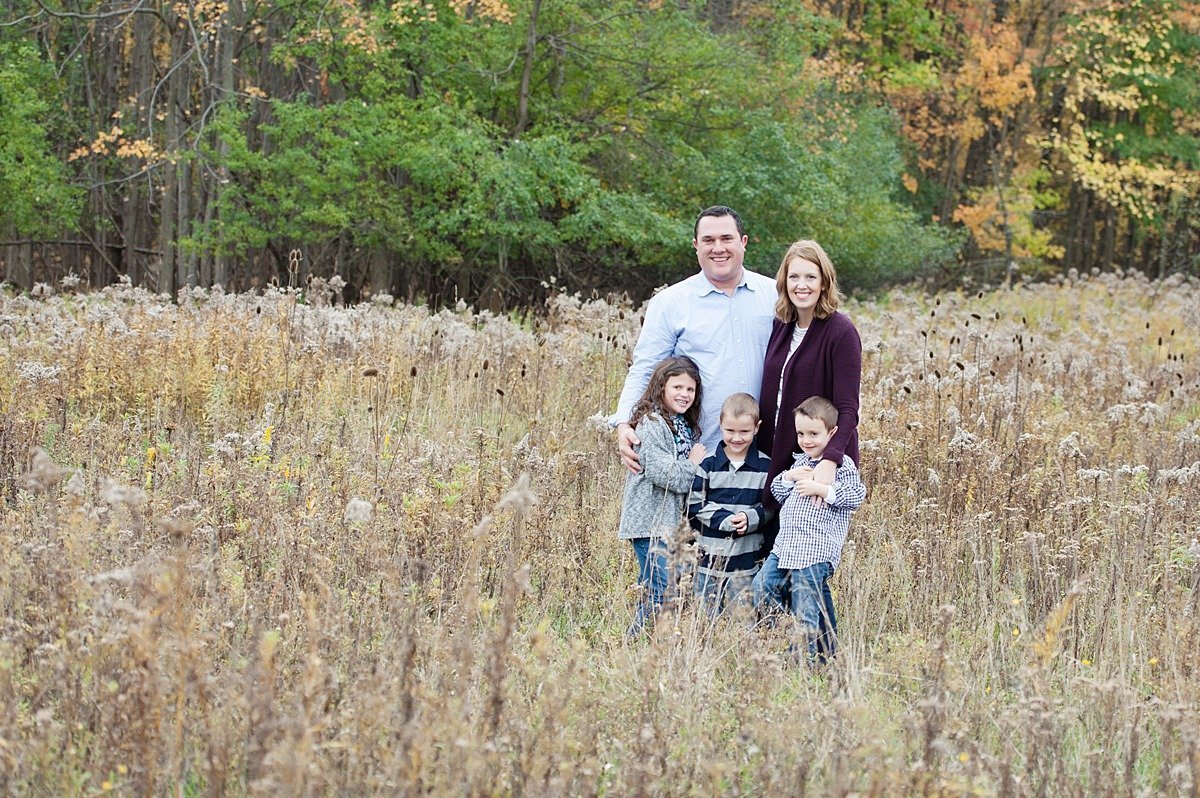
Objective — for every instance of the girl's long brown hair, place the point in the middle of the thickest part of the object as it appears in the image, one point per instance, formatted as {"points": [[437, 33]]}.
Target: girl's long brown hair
{"points": [[651, 402]]}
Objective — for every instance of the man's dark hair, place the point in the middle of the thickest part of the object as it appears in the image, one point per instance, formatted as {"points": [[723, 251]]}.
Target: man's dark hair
{"points": [[718, 210]]}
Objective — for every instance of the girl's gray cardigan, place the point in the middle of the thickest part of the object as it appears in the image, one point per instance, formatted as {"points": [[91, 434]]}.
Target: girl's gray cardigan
{"points": [[654, 499]]}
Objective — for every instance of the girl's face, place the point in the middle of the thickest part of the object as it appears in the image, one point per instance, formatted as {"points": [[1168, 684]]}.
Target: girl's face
{"points": [[679, 393], [804, 286]]}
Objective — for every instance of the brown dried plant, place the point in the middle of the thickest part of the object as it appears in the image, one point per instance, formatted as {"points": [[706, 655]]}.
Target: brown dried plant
{"points": [[298, 554]]}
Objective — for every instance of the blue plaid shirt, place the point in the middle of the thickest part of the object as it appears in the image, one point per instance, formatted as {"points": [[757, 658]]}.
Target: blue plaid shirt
{"points": [[814, 532]]}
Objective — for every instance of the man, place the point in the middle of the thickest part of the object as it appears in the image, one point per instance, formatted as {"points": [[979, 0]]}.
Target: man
{"points": [[719, 317]]}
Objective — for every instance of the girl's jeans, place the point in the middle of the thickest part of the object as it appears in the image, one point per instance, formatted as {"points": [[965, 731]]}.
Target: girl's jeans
{"points": [[654, 576], [811, 601]]}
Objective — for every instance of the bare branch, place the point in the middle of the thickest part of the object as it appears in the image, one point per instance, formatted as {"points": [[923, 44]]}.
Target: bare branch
{"points": [[137, 9]]}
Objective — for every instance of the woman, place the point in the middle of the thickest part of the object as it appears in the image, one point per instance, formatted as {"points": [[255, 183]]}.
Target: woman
{"points": [[814, 351]]}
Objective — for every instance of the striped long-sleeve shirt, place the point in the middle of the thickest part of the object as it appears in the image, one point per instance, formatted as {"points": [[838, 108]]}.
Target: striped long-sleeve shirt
{"points": [[719, 492], [813, 532]]}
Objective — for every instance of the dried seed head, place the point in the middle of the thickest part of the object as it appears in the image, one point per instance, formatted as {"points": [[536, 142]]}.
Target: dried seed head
{"points": [[44, 473], [370, 371], [176, 529], [520, 497], [76, 486], [357, 510], [114, 493]]}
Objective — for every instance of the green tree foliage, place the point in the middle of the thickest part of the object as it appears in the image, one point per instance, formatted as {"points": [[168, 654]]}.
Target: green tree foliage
{"points": [[411, 143], [1130, 77], [36, 198], [836, 185], [483, 149]]}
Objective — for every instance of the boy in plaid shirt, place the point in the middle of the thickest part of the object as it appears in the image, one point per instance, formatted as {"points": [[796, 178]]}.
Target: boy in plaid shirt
{"points": [[813, 522]]}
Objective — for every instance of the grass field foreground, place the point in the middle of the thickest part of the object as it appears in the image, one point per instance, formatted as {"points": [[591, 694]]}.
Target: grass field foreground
{"points": [[257, 546]]}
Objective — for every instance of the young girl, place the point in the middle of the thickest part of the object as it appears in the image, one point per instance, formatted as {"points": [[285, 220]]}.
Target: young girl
{"points": [[666, 420]]}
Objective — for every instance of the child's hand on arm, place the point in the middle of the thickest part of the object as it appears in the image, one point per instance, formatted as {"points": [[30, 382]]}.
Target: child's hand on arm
{"points": [[738, 522], [798, 473], [810, 487], [697, 454]]}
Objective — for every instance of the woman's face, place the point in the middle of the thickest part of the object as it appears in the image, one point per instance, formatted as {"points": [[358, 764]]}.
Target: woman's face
{"points": [[804, 286]]}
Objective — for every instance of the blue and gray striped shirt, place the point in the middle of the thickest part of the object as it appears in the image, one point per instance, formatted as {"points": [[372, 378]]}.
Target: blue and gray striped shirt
{"points": [[718, 493]]}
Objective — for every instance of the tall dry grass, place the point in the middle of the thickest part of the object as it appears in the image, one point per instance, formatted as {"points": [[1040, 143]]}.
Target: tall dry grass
{"points": [[277, 548]]}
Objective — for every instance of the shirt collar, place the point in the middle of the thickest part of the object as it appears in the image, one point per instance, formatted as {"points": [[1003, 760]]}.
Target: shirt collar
{"points": [[754, 458], [722, 462], [804, 459], [704, 287]]}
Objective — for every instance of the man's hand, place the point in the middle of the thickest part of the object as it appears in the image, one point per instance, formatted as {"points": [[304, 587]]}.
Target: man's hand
{"points": [[739, 521], [626, 440]]}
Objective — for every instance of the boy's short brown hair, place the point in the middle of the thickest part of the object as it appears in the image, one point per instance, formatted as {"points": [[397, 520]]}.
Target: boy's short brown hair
{"points": [[740, 404], [819, 408]]}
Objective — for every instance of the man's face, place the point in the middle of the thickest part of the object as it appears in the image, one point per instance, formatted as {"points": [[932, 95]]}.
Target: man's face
{"points": [[720, 251], [738, 433]]}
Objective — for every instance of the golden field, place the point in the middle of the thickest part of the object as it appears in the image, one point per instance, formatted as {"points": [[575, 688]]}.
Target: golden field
{"points": [[275, 547]]}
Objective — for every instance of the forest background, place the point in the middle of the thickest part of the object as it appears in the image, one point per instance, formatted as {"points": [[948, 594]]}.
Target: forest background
{"points": [[494, 151]]}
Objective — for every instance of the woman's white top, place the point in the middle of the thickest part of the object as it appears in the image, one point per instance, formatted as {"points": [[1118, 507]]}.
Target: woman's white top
{"points": [[797, 337]]}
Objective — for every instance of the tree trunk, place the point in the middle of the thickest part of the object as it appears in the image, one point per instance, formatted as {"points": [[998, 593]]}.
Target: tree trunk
{"points": [[135, 220], [20, 265], [225, 91], [1109, 242], [185, 258], [527, 70], [168, 213]]}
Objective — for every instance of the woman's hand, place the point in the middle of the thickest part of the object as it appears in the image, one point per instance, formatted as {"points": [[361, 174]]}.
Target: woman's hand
{"points": [[798, 473], [825, 472]]}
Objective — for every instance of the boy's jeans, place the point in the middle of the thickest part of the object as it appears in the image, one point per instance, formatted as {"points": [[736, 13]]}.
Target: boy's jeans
{"points": [[811, 599], [654, 571], [716, 592]]}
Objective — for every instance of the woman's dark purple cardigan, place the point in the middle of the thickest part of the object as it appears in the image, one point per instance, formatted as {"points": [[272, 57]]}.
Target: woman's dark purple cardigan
{"points": [[829, 364]]}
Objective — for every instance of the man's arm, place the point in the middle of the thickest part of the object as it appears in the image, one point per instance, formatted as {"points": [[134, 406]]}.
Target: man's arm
{"points": [[655, 342]]}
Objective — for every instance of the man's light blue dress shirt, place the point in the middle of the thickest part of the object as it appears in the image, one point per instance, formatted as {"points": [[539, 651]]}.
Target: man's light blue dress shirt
{"points": [[725, 335]]}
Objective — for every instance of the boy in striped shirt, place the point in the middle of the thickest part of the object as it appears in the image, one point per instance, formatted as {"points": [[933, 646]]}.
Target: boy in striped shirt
{"points": [[813, 521], [725, 508]]}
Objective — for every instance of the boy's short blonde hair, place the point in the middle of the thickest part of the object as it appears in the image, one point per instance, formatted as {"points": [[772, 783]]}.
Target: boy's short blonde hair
{"points": [[740, 404], [736, 405], [819, 408]]}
